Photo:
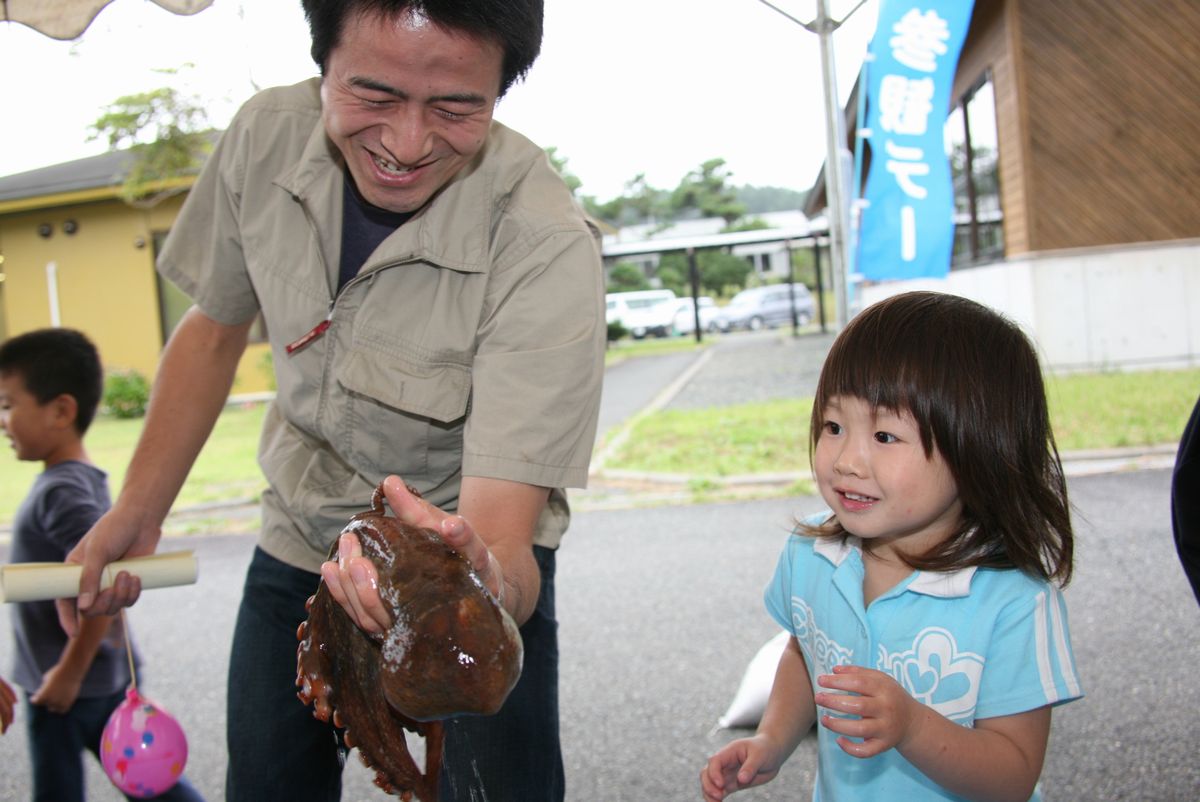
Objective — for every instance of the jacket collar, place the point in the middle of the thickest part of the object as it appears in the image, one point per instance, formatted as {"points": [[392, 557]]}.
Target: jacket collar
{"points": [[453, 230]]}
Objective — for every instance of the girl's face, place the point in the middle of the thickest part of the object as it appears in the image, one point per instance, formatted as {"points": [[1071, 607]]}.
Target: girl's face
{"points": [[873, 473]]}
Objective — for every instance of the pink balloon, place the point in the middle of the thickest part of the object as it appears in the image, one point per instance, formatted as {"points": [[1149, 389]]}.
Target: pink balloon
{"points": [[143, 748]]}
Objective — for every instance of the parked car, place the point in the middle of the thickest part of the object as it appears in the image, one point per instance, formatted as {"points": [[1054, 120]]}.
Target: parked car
{"points": [[768, 306], [685, 315], [642, 312]]}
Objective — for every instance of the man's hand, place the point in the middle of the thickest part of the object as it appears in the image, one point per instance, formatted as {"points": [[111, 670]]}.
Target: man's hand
{"points": [[354, 583], [194, 377], [112, 538]]}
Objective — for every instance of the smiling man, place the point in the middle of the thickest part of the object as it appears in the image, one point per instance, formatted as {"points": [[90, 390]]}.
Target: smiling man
{"points": [[433, 298]]}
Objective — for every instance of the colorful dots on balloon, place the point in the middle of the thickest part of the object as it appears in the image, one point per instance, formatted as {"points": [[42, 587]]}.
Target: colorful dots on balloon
{"points": [[143, 748]]}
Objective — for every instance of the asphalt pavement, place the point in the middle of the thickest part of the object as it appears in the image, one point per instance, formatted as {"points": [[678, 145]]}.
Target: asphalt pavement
{"points": [[660, 611]]}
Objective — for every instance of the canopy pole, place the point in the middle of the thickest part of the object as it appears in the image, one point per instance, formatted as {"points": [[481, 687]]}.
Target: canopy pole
{"points": [[837, 209], [834, 178]]}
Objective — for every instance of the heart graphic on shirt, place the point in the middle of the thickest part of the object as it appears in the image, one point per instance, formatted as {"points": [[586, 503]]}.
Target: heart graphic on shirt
{"points": [[937, 674], [920, 680]]}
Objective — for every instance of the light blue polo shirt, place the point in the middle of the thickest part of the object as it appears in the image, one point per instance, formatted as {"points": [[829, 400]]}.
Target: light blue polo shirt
{"points": [[971, 644]]}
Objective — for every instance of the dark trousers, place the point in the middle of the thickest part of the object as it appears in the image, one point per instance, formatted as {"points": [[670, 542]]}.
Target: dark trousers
{"points": [[56, 744], [278, 750]]}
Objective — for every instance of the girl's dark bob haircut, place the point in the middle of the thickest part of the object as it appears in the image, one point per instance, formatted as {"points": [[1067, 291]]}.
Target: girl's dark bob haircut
{"points": [[971, 380]]}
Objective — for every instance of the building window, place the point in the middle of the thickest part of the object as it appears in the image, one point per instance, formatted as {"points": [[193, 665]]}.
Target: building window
{"points": [[972, 148], [173, 302]]}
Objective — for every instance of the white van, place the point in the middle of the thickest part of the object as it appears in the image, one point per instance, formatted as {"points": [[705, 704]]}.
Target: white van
{"points": [[642, 312]]}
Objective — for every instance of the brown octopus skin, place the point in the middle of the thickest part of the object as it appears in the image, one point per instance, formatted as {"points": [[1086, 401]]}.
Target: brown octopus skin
{"points": [[451, 650]]}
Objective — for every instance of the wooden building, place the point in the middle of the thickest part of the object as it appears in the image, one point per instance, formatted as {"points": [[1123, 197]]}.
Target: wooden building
{"points": [[1074, 140]]}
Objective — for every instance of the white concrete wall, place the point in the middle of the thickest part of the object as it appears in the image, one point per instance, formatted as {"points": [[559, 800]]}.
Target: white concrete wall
{"points": [[1116, 308]]}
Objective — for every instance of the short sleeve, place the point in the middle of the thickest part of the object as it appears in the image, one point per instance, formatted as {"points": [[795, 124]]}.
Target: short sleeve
{"points": [[68, 514], [778, 593], [538, 371], [203, 252], [1030, 660]]}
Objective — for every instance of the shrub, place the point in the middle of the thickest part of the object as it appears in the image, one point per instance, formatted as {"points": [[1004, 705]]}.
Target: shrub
{"points": [[126, 393], [616, 331], [627, 277]]}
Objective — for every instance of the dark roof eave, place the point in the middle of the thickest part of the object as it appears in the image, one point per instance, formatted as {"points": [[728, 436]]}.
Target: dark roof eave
{"points": [[105, 171], [91, 173]]}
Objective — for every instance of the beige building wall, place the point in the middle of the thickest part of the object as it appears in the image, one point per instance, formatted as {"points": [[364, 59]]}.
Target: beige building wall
{"points": [[102, 281]]}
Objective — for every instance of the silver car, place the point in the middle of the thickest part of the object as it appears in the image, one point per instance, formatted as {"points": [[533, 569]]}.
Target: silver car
{"points": [[685, 315], [767, 307]]}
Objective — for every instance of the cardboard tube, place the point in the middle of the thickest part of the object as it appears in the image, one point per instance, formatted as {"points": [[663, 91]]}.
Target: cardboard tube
{"points": [[21, 582]]}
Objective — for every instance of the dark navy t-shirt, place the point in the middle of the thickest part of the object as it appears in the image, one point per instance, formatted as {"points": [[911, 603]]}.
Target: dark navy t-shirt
{"points": [[364, 226]]}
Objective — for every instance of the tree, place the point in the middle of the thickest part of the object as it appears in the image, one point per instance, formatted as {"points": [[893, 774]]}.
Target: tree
{"points": [[719, 271], [639, 203], [753, 224], [804, 267], [167, 134], [560, 165], [671, 277], [769, 199], [626, 277], [706, 190]]}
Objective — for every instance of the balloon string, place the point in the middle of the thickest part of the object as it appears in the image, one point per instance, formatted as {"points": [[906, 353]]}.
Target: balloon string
{"points": [[129, 651], [124, 631]]}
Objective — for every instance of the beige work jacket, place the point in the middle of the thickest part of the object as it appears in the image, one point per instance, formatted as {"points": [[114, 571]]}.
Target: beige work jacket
{"points": [[470, 343]]}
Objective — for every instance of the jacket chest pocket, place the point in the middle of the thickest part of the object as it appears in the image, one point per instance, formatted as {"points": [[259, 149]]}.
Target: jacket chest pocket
{"points": [[403, 414]]}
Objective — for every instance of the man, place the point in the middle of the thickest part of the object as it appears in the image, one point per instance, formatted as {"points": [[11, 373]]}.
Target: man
{"points": [[434, 303], [1185, 500]]}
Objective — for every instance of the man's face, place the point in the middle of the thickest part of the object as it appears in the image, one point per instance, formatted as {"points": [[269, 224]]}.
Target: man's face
{"points": [[408, 104]]}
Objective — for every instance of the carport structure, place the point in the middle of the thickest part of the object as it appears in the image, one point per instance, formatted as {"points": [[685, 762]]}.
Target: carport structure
{"points": [[792, 238]]}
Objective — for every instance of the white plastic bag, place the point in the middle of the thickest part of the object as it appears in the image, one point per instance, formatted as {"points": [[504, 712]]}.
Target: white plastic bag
{"points": [[751, 698]]}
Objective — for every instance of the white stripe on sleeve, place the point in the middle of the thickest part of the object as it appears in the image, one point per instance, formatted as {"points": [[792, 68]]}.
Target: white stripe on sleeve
{"points": [[1041, 631], [1061, 648]]}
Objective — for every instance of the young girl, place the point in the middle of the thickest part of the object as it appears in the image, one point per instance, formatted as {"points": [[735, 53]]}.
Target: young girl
{"points": [[929, 641]]}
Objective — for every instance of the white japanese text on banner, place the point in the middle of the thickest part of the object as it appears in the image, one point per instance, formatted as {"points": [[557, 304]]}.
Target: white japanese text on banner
{"points": [[907, 226]]}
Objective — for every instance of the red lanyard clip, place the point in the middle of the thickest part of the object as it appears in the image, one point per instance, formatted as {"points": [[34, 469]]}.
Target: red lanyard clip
{"points": [[315, 332]]}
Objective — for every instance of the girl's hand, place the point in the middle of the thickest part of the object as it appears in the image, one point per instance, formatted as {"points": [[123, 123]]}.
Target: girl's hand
{"points": [[887, 714], [744, 763]]}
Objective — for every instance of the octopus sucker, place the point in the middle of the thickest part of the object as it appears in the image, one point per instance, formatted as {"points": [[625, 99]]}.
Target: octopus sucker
{"points": [[451, 650]]}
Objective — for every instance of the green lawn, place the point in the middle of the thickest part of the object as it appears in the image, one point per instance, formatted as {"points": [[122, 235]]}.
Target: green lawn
{"points": [[226, 468], [1089, 411], [628, 347]]}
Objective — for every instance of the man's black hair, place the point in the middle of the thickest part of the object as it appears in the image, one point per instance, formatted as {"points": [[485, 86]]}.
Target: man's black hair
{"points": [[54, 362], [516, 25]]}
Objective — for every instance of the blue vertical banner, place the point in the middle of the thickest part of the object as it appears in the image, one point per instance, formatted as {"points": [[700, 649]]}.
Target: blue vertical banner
{"points": [[907, 228]]}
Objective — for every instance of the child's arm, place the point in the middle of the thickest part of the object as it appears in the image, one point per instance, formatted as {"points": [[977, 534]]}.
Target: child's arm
{"points": [[789, 715], [999, 759], [8, 701], [60, 685]]}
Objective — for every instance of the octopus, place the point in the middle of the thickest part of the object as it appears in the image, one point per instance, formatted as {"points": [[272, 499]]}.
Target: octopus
{"points": [[451, 650]]}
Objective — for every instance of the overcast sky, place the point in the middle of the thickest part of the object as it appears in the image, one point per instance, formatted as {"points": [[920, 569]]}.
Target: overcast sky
{"points": [[622, 87]]}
